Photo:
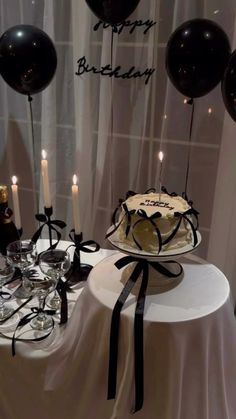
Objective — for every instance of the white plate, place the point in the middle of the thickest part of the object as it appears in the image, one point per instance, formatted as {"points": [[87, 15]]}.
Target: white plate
{"points": [[125, 248]]}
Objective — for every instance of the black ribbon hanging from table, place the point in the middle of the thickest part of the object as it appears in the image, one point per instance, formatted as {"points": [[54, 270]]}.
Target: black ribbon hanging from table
{"points": [[141, 267], [62, 288]]}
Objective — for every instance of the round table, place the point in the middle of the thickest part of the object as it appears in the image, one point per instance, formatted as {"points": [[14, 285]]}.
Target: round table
{"points": [[189, 353], [189, 333]]}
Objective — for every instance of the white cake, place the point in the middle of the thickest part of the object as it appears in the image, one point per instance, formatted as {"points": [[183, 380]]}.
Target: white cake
{"points": [[156, 222]]}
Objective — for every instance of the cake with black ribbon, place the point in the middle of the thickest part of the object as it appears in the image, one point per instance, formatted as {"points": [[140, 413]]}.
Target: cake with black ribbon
{"points": [[156, 222]]}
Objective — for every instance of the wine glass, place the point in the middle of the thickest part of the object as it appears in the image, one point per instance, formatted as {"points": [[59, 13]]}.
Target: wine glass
{"points": [[23, 255], [6, 273], [54, 264], [40, 287]]}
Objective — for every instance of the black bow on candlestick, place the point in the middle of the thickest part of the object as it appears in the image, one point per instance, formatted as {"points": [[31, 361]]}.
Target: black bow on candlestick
{"points": [[52, 224], [80, 271]]}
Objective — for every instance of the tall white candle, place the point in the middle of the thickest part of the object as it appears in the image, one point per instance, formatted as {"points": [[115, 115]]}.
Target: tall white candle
{"points": [[16, 205], [75, 204], [160, 157], [45, 178]]}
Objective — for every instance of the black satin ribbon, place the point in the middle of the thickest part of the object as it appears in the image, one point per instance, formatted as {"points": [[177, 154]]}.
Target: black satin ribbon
{"points": [[24, 321], [78, 271], [141, 267], [144, 217], [62, 288], [127, 213], [79, 245], [51, 224]]}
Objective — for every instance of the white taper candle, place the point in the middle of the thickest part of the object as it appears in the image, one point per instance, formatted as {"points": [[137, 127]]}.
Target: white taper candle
{"points": [[160, 157], [45, 178], [75, 204], [16, 205]]}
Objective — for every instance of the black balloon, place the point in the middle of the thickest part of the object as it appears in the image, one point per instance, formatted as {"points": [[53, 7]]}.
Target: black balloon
{"points": [[229, 86], [28, 59], [196, 57], [112, 11]]}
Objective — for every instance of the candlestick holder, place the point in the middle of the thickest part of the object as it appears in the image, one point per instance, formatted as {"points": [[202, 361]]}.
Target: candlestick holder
{"points": [[80, 271], [52, 226]]}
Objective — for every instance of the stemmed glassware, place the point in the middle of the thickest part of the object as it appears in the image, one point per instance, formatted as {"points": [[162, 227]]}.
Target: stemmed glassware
{"points": [[54, 264], [40, 287], [6, 273], [23, 255]]}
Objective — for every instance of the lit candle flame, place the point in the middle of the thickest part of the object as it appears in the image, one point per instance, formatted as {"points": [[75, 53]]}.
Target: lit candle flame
{"points": [[44, 154], [75, 179], [161, 156], [14, 180]]}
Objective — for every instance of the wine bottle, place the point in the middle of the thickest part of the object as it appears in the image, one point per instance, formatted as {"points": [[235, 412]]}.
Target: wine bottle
{"points": [[8, 230]]}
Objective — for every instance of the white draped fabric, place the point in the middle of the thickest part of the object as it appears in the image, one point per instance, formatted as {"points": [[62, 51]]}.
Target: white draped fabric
{"points": [[223, 229], [189, 364], [110, 131]]}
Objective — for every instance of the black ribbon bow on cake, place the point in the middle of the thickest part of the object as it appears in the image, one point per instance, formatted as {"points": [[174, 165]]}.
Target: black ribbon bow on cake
{"points": [[141, 269]]}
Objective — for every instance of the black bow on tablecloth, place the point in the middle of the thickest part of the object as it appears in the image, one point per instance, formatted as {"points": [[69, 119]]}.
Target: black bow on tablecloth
{"points": [[141, 267]]}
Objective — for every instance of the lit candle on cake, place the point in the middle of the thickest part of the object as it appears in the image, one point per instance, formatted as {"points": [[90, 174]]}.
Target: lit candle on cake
{"points": [[160, 157], [15, 199], [75, 204], [45, 178]]}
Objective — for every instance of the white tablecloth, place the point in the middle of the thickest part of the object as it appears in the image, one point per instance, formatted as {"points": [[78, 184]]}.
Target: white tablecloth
{"points": [[190, 354]]}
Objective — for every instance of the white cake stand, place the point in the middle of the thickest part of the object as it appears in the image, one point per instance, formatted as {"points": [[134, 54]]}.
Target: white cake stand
{"points": [[158, 282]]}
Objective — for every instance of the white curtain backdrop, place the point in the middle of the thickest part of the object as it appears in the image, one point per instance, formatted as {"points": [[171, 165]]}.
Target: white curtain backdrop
{"points": [[222, 244], [109, 132]]}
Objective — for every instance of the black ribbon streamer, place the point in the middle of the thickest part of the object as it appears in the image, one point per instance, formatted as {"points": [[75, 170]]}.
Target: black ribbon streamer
{"points": [[24, 321], [51, 224], [30, 99], [190, 102], [78, 271], [62, 288], [141, 267]]}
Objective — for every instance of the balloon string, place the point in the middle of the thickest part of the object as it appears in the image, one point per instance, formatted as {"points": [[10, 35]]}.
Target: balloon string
{"points": [[112, 113], [190, 102], [30, 99]]}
